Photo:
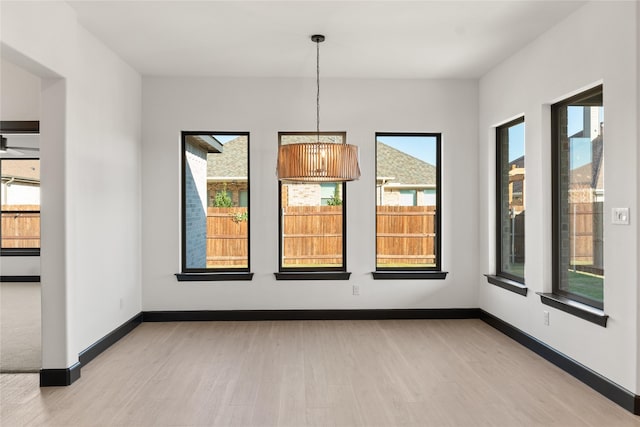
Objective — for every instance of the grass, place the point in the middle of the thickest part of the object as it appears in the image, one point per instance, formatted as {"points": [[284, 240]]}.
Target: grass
{"points": [[584, 284], [587, 285]]}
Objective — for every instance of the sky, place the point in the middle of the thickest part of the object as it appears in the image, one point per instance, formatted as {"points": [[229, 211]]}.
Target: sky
{"points": [[580, 147], [225, 138], [420, 147]]}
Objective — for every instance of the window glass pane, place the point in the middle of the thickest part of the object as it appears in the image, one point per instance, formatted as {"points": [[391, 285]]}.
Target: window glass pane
{"points": [[511, 196], [406, 199], [20, 194], [216, 209], [580, 219], [312, 217]]}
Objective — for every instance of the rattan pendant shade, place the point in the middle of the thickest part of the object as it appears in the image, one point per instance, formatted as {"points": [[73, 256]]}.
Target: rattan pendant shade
{"points": [[318, 161]]}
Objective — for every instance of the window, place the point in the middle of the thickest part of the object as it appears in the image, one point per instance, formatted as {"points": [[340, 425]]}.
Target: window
{"points": [[20, 193], [578, 198], [407, 203], [312, 218], [510, 198], [215, 203]]}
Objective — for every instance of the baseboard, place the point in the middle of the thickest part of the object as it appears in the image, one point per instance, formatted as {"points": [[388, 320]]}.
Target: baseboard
{"points": [[94, 350], [19, 278], [65, 377], [59, 377], [602, 385], [257, 315]]}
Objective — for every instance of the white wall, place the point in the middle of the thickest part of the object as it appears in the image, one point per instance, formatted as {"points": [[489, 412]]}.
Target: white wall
{"points": [[265, 106], [20, 93], [595, 44], [90, 154], [20, 100]]}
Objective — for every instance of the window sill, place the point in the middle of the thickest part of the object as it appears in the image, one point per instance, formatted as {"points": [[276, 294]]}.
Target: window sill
{"points": [[20, 252], [214, 277], [508, 284], [313, 275], [575, 308], [409, 275]]}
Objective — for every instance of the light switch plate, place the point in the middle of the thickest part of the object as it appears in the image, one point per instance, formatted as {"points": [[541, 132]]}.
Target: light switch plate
{"points": [[620, 216]]}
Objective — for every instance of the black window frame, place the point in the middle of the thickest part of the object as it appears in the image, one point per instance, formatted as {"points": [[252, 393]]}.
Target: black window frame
{"points": [[556, 157], [211, 274], [20, 127], [399, 273], [499, 201], [312, 273]]}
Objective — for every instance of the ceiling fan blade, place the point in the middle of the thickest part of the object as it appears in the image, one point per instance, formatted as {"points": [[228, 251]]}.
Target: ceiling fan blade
{"points": [[11, 152], [23, 148]]}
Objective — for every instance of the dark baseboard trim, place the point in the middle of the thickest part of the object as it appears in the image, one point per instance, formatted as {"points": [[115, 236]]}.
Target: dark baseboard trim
{"points": [[602, 385], [60, 377], [19, 278], [65, 377], [95, 349], [257, 315]]}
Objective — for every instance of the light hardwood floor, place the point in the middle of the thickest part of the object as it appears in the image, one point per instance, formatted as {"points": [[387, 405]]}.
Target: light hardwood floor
{"points": [[298, 373]]}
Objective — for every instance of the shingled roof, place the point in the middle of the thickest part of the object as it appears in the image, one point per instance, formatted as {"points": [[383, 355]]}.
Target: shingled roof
{"points": [[232, 162], [403, 168]]}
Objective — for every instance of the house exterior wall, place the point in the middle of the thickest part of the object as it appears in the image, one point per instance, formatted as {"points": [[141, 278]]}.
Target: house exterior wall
{"points": [[195, 206], [232, 187], [304, 195], [393, 197]]}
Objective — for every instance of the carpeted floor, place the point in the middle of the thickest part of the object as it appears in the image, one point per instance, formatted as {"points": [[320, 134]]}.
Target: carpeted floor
{"points": [[20, 328]]}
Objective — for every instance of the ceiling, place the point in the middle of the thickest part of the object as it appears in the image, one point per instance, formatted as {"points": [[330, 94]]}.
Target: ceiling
{"points": [[364, 39]]}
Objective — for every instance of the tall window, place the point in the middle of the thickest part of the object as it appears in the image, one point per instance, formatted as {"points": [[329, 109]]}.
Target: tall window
{"points": [[578, 197], [20, 220], [407, 201], [215, 202], [312, 216], [510, 197]]}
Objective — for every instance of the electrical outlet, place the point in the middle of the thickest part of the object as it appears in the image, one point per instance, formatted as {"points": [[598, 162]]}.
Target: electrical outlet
{"points": [[356, 290], [546, 317]]}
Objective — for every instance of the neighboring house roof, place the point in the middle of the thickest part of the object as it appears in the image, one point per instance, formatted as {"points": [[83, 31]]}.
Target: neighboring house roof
{"points": [[519, 162], [403, 168], [21, 170], [231, 162]]}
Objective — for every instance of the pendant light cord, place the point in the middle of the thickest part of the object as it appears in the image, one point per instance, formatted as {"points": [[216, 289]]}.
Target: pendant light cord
{"points": [[318, 89]]}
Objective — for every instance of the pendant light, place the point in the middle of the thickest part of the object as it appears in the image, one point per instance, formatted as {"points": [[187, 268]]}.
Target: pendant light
{"points": [[318, 161]]}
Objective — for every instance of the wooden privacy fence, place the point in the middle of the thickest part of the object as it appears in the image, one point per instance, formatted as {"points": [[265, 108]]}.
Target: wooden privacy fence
{"points": [[20, 226], [406, 235], [312, 236], [586, 243], [227, 237]]}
